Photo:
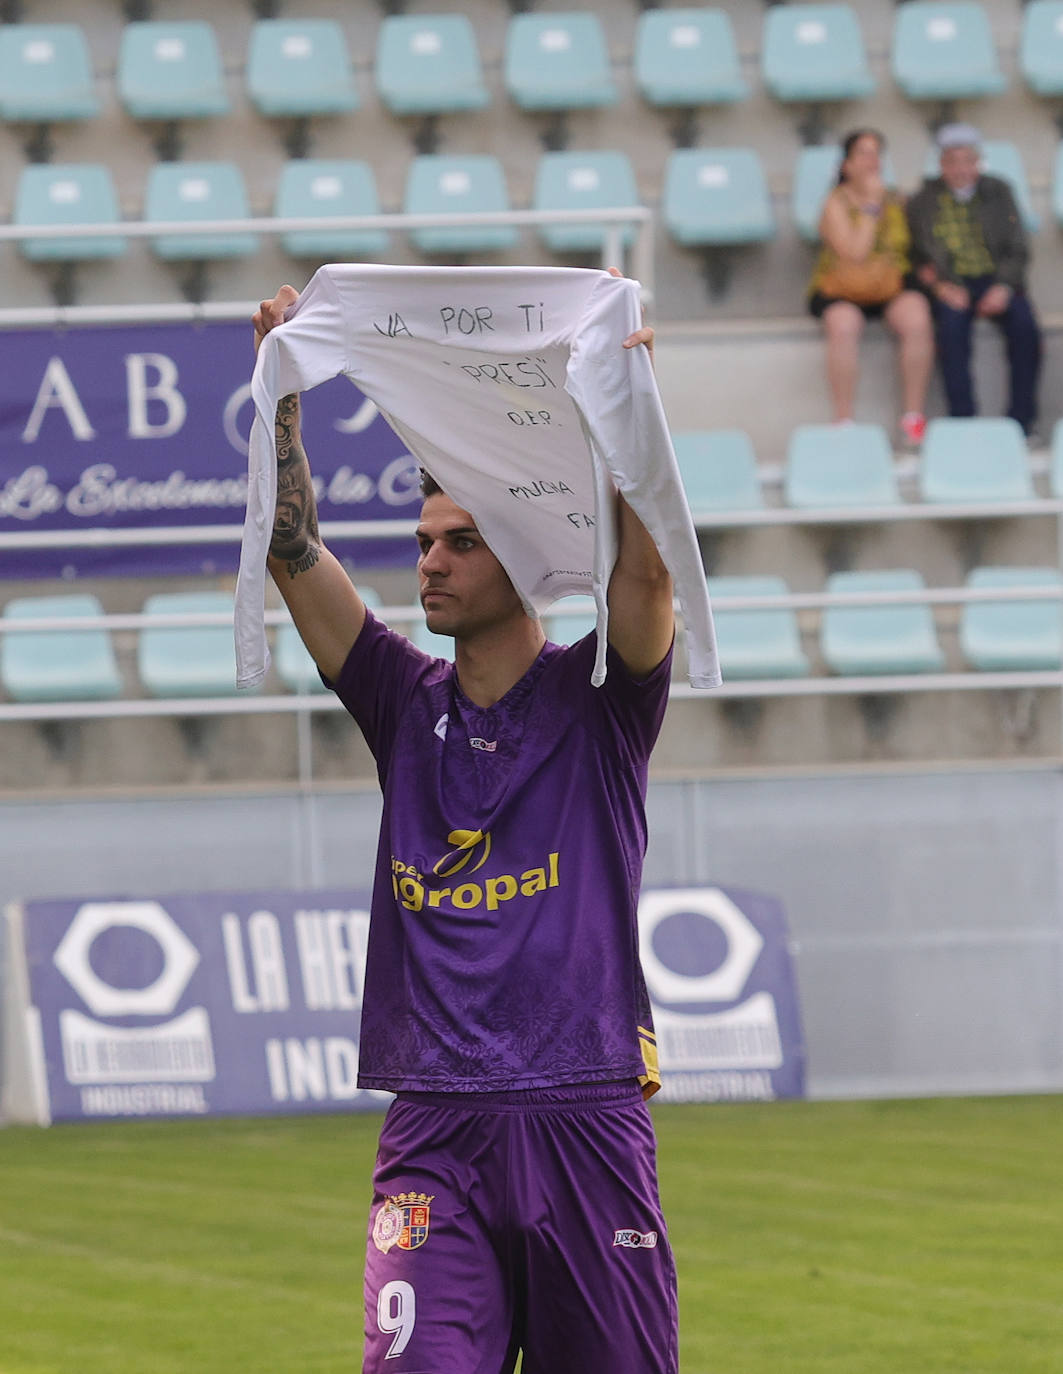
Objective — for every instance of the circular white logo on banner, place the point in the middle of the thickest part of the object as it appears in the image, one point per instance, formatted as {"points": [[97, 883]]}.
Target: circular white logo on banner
{"points": [[726, 982], [179, 959]]}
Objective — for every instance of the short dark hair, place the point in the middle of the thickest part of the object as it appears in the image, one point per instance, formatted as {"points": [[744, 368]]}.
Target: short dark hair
{"points": [[429, 485]]}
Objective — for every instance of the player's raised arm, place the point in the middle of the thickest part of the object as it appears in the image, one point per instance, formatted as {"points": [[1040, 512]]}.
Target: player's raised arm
{"points": [[641, 620], [327, 610]]}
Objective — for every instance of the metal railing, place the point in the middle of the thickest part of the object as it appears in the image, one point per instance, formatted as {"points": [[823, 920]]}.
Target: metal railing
{"points": [[613, 220]]}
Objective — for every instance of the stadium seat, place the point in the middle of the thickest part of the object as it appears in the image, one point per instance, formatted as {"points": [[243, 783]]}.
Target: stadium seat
{"points": [[436, 184], [429, 64], [1008, 636], [687, 57], [755, 644], [327, 187], [583, 181], [58, 665], [300, 67], [945, 52], [813, 53], [198, 191], [1041, 48], [568, 629], [191, 661], [719, 471], [717, 196], [557, 62], [840, 465], [171, 71], [68, 193], [47, 77], [975, 460], [1055, 470], [1000, 158], [859, 640]]}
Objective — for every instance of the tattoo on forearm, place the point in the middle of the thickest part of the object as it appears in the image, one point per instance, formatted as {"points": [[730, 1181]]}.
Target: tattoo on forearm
{"points": [[295, 536]]}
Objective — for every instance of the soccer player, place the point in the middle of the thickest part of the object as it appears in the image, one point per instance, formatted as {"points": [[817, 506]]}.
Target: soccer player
{"points": [[515, 1194]]}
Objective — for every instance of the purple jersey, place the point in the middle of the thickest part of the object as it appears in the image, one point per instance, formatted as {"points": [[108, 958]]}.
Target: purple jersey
{"points": [[503, 946]]}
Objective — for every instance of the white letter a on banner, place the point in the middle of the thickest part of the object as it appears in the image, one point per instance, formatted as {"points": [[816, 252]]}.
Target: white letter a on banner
{"points": [[57, 391]]}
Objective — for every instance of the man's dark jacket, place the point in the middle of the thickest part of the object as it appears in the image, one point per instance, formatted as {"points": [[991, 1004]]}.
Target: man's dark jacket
{"points": [[995, 209]]}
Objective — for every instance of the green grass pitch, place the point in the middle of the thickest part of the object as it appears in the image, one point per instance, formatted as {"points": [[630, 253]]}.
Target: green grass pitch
{"points": [[912, 1237]]}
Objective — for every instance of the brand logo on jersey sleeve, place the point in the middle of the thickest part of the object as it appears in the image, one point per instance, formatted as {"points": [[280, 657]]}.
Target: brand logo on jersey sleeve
{"points": [[635, 1240], [403, 1221]]}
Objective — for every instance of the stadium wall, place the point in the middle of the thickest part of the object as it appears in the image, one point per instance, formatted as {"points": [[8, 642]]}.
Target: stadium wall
{"points": [[926, 909]]}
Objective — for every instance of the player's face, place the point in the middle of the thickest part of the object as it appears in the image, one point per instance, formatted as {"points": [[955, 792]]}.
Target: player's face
{"points": [[463, 587]]}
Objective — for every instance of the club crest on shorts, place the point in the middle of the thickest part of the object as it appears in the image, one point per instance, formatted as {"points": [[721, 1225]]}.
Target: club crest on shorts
{"points": [[403, 1221], [635, 1240]]}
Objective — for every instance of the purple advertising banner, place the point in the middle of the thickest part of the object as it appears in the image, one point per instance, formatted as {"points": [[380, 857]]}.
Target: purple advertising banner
{"points": [[249, 1003], [140, 426]]}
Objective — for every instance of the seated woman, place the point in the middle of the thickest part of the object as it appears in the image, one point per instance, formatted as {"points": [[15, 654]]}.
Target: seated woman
{"points": [[864, 272]]}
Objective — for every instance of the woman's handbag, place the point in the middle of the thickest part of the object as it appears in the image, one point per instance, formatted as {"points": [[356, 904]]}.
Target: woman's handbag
{"points": [[872, 282]]}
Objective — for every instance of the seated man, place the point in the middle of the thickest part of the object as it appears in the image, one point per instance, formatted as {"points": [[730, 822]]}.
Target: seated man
{"points": [[970, 252]]}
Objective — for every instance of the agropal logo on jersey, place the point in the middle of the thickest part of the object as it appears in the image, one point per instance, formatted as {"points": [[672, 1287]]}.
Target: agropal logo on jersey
{"points": [[451, 878], [131, 959]]}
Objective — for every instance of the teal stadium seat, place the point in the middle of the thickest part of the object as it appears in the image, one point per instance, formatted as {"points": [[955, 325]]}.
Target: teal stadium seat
{"points": [[198, 191], [437, 184], [1041, 47], [46, 74], [975, 460], [171, 71], [717, 196], [688, 57], [189, 661], [67, 193], [295, 668], [557, 62], [428, 64], [583, 181], [859, 640], [1013, 636], [814, 53], [300, 67], [718, 468], [58, 665], [839, 466], [1000, 158], [569, 629], [328, 187], [755, 644], [945, 52]]}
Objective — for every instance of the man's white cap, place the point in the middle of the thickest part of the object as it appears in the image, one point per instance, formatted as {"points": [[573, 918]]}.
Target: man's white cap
{"points": [[958, 136]]}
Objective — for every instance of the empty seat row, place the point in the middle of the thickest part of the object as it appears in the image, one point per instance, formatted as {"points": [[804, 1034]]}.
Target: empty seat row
{"points": [[428, 64], [183, 662], [883, 638], [979, 461], [83, 194]]}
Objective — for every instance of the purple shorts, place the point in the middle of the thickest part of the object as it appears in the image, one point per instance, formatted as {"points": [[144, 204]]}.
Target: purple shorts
{"points": [[519, 1221]]}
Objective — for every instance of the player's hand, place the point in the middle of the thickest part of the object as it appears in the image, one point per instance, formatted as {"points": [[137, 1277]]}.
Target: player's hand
{"points": [[644, 335], [271, 313]]}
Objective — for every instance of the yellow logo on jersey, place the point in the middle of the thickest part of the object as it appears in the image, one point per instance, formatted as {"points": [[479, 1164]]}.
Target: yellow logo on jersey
{"points": [[465, 842], [414, 893]]}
